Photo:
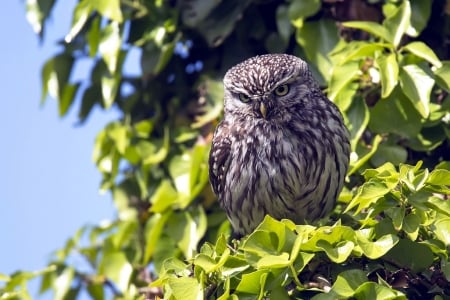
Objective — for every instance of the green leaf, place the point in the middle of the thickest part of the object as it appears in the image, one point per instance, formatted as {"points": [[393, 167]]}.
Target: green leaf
{"points": [[67, 97], [395, 114], [252, 283], [283, 25], [80, 16], [55, 76], [119, 134], [299, 10], [439, 177], [90, 97], [336, 253], [411, 225], [109, 9], [62, 283], [186, 288], [409, 254], [388, 67], [421, 11], [341, 77], [398, 22], [441, 229], [417, 86], [347, 282], [274, 261], [378, 248], [356, 50], [115, 266], [358, 162], [187, 229], [421, 50], [109, 47], [367, 194], [38, 12], [372, 290], [318, 38], [389, 153], [153, 230], [96, 291], [358, 118], [164, 197], [372, 28], [443, 75]]}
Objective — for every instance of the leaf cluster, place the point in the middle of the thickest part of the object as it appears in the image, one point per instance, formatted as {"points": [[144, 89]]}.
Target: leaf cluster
{"points": [[383, 62]]}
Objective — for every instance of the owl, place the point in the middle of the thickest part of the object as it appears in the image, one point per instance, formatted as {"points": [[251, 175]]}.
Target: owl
{"points": [[282, 148]]}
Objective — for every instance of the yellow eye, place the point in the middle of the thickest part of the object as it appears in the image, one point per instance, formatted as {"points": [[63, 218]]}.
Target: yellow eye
{"points": [[244, 98], [282, 90]]}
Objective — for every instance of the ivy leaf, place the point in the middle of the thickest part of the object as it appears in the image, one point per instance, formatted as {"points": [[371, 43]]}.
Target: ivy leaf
{"points": [[347, 282], [411, 255]]}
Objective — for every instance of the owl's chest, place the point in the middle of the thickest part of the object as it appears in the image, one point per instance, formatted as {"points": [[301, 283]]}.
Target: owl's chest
{"points": [[266, 150]]}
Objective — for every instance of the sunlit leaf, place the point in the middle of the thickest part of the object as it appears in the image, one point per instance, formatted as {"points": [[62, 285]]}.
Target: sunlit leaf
{"points": [[398, 22], [63, 282], [80, 16], [186, 288], [442, 230], [38, 12], [417, 85], [110, 9], [251, 282], [376, 249], [372, 290], [372, 28], [115, 266], [411, 226], [421, 50], [443, 75], [348, 281], [341, 77], [110, 45], [387, 64]]}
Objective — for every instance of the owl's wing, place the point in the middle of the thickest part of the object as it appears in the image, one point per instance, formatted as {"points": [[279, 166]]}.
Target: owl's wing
{"points": [[219, 158]]}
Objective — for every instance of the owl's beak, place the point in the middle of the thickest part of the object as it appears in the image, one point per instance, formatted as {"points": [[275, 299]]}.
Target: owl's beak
{"points": [[263, 109]]}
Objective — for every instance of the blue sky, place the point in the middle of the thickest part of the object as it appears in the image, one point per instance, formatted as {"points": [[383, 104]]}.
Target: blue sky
{"points": [[49, 184]]}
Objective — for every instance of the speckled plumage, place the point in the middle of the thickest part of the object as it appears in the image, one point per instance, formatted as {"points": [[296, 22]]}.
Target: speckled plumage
{"points": [[282, 148]]}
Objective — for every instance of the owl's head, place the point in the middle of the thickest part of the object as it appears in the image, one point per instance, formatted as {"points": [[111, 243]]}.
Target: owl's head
{"points": [[267, 86]]}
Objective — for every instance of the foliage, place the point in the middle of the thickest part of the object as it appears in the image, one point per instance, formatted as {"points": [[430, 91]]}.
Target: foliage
{"points": [[383, 63]]}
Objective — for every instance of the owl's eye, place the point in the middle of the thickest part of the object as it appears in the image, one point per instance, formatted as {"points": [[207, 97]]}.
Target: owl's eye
{"points": [[282, 90], [244, 98]]}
